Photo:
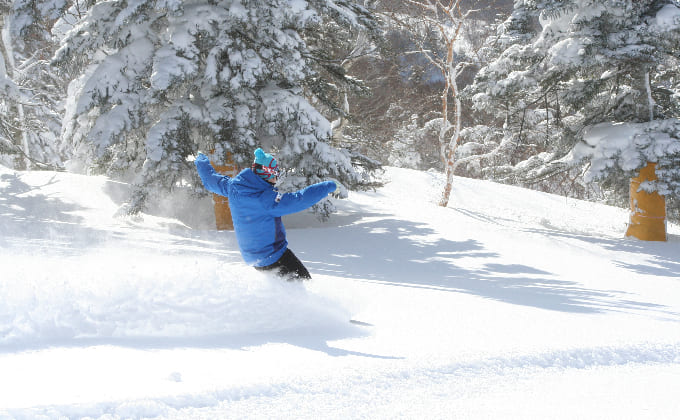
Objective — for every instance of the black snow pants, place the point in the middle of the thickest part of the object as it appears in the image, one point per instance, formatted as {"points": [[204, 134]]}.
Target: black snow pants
{"points": [[289, 267]]}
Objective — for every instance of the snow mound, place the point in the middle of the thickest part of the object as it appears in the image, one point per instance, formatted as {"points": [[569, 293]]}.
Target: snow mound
{"points": [[166, 299]]}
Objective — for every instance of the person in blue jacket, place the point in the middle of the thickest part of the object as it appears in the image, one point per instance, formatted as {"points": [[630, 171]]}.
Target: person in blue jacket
{"points": [[256, 209]]}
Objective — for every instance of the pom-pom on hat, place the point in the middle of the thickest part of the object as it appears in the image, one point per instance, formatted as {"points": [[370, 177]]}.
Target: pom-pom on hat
{"points": [[265, 165]]}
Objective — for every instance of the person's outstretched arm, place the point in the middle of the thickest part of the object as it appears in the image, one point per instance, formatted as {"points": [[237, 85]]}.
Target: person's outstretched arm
{"points": [[212, 181], [294, 202]]}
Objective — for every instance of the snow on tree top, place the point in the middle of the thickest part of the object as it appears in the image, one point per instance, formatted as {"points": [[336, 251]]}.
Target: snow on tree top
{"points": [[668, 17], [627, 146]]}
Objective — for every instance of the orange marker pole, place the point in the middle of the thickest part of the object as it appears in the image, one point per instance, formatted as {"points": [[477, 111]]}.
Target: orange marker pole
{"points": [[222, 211], [648, 211]]}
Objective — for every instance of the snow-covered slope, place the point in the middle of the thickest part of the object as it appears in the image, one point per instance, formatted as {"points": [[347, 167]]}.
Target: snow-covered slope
{"points": [[508, 304]]}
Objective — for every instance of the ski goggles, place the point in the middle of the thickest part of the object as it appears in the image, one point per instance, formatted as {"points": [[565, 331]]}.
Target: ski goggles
{"points": [[267, 170]]}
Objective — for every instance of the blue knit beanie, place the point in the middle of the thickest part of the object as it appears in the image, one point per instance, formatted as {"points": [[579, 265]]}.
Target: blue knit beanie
{"points": [[265, 165]]}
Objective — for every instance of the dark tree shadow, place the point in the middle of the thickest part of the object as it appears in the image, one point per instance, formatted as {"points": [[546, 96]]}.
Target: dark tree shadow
{"points": [[662, 257], [379, 248]]}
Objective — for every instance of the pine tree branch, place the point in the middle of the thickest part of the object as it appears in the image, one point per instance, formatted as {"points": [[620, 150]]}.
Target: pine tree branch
{"points": [[44, 165]]}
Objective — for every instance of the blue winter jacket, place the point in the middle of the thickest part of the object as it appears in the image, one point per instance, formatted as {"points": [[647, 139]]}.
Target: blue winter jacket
{"points": [[256, 210]]}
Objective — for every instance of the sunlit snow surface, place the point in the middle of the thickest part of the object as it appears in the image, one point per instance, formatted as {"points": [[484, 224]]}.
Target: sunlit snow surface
{"points": [[508, 304]]}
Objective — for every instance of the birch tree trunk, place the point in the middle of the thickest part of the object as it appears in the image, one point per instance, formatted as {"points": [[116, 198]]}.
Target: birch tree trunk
{"points": [[449, 145], [448, 18], [9, 69]]}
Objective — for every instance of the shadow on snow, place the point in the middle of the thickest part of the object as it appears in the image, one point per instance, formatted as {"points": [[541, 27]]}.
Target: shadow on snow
{"points": [[398, 252], [38, 220]]}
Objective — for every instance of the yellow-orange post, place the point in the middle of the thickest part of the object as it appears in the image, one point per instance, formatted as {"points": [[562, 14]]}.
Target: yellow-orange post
{"points": [[222, 212], [648, 211]]}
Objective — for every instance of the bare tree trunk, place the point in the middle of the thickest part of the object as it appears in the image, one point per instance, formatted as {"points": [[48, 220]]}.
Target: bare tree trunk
{"points": [[362, 45], [448, 18], [9, 68], [338, 126], [450, 145]]}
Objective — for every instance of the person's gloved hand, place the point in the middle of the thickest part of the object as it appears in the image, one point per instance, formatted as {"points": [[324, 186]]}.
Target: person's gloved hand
{"points": [[201, 161], [340, 190]]}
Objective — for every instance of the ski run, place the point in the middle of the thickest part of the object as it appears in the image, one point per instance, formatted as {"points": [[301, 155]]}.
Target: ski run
{"points": [[508, 304]]}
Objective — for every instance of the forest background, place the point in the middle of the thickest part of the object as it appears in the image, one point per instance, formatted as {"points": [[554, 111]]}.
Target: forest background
{"points": [[570, 97]]}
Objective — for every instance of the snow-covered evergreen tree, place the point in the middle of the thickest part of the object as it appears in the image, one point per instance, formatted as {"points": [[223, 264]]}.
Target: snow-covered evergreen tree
{"points": [[32, 91], [403, 153], [569, 65], [159, 80]]}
